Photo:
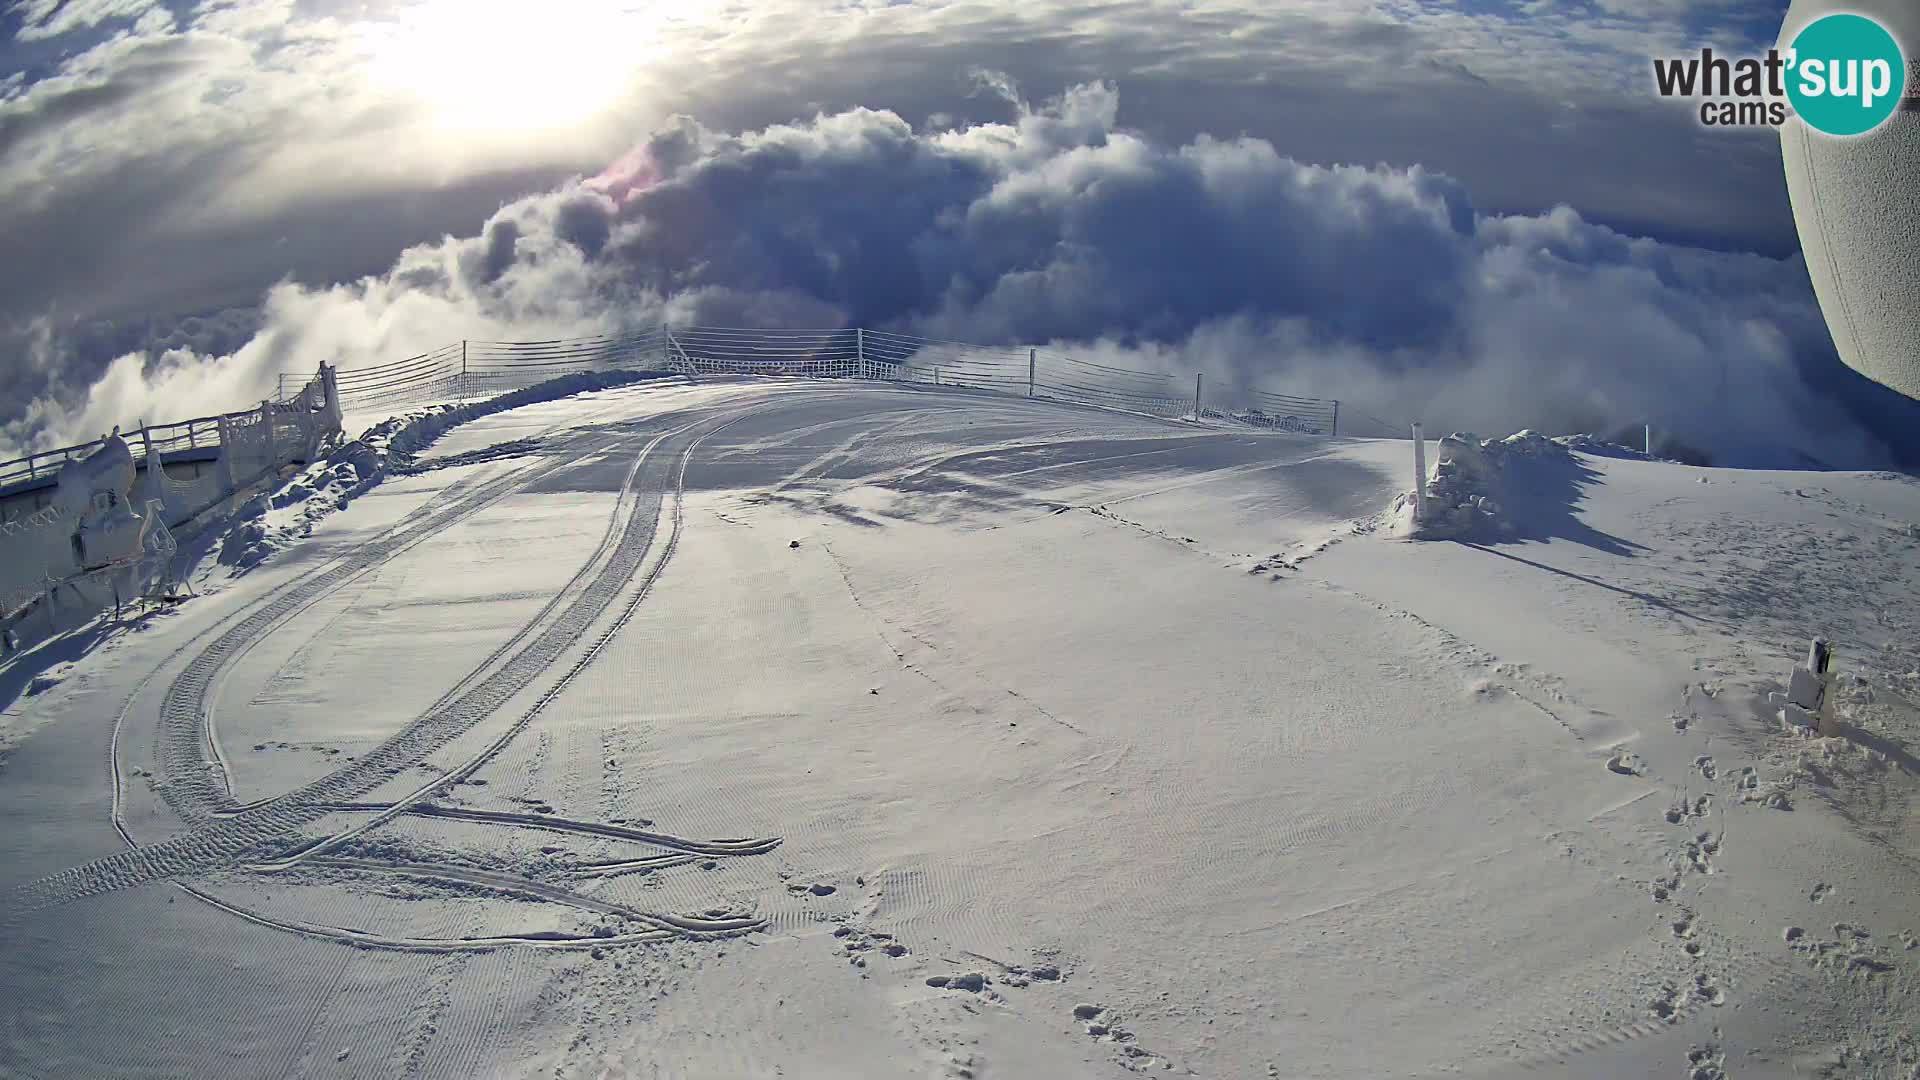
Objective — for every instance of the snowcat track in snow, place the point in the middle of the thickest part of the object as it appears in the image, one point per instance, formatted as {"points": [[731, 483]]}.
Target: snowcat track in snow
{"points": [[220, 842]]}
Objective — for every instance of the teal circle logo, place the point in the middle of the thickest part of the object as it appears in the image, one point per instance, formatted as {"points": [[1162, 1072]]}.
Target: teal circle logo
{"points": [[1846, 74]]}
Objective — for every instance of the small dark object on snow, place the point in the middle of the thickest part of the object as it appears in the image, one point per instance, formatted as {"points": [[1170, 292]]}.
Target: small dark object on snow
{"points": [[875, 690], [793, 543]]}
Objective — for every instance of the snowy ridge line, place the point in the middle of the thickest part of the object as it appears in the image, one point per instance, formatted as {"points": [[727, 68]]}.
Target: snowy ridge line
{"points": [[635, 544], [219, 842]]}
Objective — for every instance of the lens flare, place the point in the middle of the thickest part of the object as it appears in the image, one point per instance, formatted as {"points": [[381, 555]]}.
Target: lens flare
{"points": [[503, 66]]}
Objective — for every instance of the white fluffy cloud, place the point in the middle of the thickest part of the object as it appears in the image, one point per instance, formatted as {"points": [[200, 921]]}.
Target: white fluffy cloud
{"points": [[1384, 286], [170, 159]]}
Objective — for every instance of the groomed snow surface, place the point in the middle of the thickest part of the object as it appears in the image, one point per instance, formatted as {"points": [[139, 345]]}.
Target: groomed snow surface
{"points": [[753, 729]]}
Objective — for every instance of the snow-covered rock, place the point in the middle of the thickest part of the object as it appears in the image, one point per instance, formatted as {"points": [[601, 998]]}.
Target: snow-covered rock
{"points": [[1465, 494]]}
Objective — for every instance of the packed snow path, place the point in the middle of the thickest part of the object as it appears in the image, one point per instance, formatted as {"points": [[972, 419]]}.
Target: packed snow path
{"points": [[744, 728]]}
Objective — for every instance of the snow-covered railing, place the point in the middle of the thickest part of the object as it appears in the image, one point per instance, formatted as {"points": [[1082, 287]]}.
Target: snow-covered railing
{"points": [[37, 554], [298, 413], [472, 369]]}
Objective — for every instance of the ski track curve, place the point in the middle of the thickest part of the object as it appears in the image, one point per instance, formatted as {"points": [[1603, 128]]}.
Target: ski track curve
{"points": [[549, 823], [195, 785], [635, 545], [508, 883], [217, 842]]}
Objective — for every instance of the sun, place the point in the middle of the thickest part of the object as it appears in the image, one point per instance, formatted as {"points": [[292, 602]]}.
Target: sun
{"points": [[506, 66]]}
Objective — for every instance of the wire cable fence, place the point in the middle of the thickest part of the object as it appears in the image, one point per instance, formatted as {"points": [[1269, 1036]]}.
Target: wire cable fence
{"points": [[471, 369]]}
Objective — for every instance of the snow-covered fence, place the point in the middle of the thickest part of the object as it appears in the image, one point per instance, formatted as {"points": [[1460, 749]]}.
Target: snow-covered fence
{"points": [[227, 453], [32, 550], [475, 369], [299, 420]]}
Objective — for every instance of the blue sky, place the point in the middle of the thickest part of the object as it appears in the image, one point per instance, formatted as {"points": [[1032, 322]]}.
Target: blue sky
{"points": [[171, 164]]}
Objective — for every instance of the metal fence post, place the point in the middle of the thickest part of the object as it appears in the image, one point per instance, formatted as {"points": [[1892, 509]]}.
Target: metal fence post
{"points": [[463, 368], [228, 482], [1419, 474], [330, 392], [1336, 418], [156, 488], [1196, 395], [1647, 439], [266, 424], [860, 349], [1032, 364]]}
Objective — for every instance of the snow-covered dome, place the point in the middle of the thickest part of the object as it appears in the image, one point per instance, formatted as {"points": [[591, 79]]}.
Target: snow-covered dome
{"points": [[1859, 219]]}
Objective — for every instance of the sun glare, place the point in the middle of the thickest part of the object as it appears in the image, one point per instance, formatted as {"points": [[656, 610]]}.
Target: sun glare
{"points": [[501, 65]]}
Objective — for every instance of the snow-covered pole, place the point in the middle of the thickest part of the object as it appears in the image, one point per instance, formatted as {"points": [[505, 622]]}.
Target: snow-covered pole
{"points": [[1419, 474], [156, 490], [1646, 433], [266, 425], [1820, 663], [860, 349], [330, 388], [227, 479]]}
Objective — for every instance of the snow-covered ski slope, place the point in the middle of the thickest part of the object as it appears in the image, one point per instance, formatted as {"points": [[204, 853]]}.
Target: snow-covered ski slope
{"points": [[815, 730]]}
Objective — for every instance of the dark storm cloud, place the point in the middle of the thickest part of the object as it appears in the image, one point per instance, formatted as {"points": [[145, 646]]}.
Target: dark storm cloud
{"points": [[1384, 286]]}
